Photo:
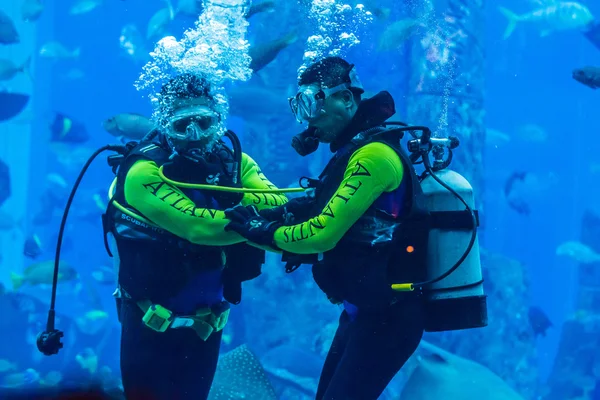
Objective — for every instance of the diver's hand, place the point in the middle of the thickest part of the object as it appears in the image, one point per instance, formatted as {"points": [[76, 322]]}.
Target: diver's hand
{"points": [[297, 209], [247, 222]]}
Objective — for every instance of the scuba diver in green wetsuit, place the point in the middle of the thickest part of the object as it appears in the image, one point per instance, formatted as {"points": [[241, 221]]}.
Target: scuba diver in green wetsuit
{"points": [[178, 268], [364, 188], [365, 227]]}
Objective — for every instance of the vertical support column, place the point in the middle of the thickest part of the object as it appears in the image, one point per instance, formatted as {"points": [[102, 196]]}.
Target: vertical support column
{"points": [[446, 81]]}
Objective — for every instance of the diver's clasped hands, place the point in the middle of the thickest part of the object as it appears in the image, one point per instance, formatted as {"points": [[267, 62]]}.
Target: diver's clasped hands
{"points": [[247, 221]]}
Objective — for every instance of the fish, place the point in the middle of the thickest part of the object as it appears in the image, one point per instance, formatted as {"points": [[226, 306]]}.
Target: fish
{"points": [[159, 21], [397, 33], [31, 10], [19, 379], [443, 375], [42, 273], [56, 51], [240, 375], [496, 138], [8, 69], [92, 322], [578, 252], [589, 76], [264, 6], [52, 379], [523, 188], [5, 186], [539, 321], [263, 54], [8, 31], [12, 104], [88, 360], [84, 6], [132, 43], [32, 247], [105, 276], [7, 366], [557, 16], [55, 179], [532, 133], [516, 202], [64, 129], [128, 125]]}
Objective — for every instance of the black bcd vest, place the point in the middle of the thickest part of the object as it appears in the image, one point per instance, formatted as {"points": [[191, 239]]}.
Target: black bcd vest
{"points": [[156, 264], [373, 253]]}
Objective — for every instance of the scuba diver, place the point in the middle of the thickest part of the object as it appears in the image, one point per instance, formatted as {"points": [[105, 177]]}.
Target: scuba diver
{"points": [[368, 188], [370, 222], [178, 269]]}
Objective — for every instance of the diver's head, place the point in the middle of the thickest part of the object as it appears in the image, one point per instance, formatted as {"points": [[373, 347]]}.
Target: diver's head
{"points": [[190, 122], [328, 96]]}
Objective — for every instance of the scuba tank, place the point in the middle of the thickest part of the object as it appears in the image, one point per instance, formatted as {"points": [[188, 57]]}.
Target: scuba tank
{"points": [[458, 300], [453, 294]]}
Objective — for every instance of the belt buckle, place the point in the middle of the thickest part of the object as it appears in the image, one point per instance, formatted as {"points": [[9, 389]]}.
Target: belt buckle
{"points": [[158, 318]]}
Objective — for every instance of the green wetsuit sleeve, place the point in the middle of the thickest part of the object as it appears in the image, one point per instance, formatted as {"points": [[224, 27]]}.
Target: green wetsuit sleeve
{"points": [[371, 171], [169, 208], [253, 178]]}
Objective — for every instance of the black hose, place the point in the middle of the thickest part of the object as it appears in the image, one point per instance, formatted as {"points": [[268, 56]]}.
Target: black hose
{"points": [[51, 312]]}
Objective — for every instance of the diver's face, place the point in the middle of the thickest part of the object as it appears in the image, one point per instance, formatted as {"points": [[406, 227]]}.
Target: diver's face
{"points": [[338, 109], [194, 124]]}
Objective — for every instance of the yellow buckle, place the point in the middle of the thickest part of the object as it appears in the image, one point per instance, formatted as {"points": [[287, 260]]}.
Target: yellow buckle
{"points": [[158, 318]]}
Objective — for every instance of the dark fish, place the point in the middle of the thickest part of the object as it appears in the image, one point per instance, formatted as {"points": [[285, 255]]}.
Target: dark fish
{"points": [[11, 104], [265, 6], [8, 32], [589, 76], [516, 203], [239, 373], [5, 187], [539, 321], [263, 54], [32, 247], [67, 130]]}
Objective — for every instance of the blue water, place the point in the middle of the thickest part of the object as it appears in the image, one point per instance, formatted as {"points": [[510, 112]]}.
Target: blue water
{"points": [[528, 80]]}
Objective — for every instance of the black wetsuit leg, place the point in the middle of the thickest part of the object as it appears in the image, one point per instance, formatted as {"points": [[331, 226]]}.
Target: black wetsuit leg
{"points": [[172, 365], [368, 352]]}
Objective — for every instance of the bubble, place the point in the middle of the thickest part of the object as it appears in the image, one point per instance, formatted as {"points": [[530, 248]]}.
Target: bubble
{"points": [[216, 49], [336, 29]]}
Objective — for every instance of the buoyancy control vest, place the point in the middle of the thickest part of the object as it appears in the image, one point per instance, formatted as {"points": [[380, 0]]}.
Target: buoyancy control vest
{"points": [[155, 264], [387, 244]]}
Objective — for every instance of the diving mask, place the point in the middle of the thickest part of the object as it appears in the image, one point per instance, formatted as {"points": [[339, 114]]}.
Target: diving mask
{"points": [[308, 102], [193, 124]]}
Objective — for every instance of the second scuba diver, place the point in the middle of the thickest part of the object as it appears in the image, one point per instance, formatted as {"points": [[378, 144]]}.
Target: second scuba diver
{"points": [[178, 268], [365, 217]]}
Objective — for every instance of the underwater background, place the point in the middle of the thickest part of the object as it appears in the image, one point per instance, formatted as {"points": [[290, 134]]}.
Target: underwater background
{"points": [[529, 137]]}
